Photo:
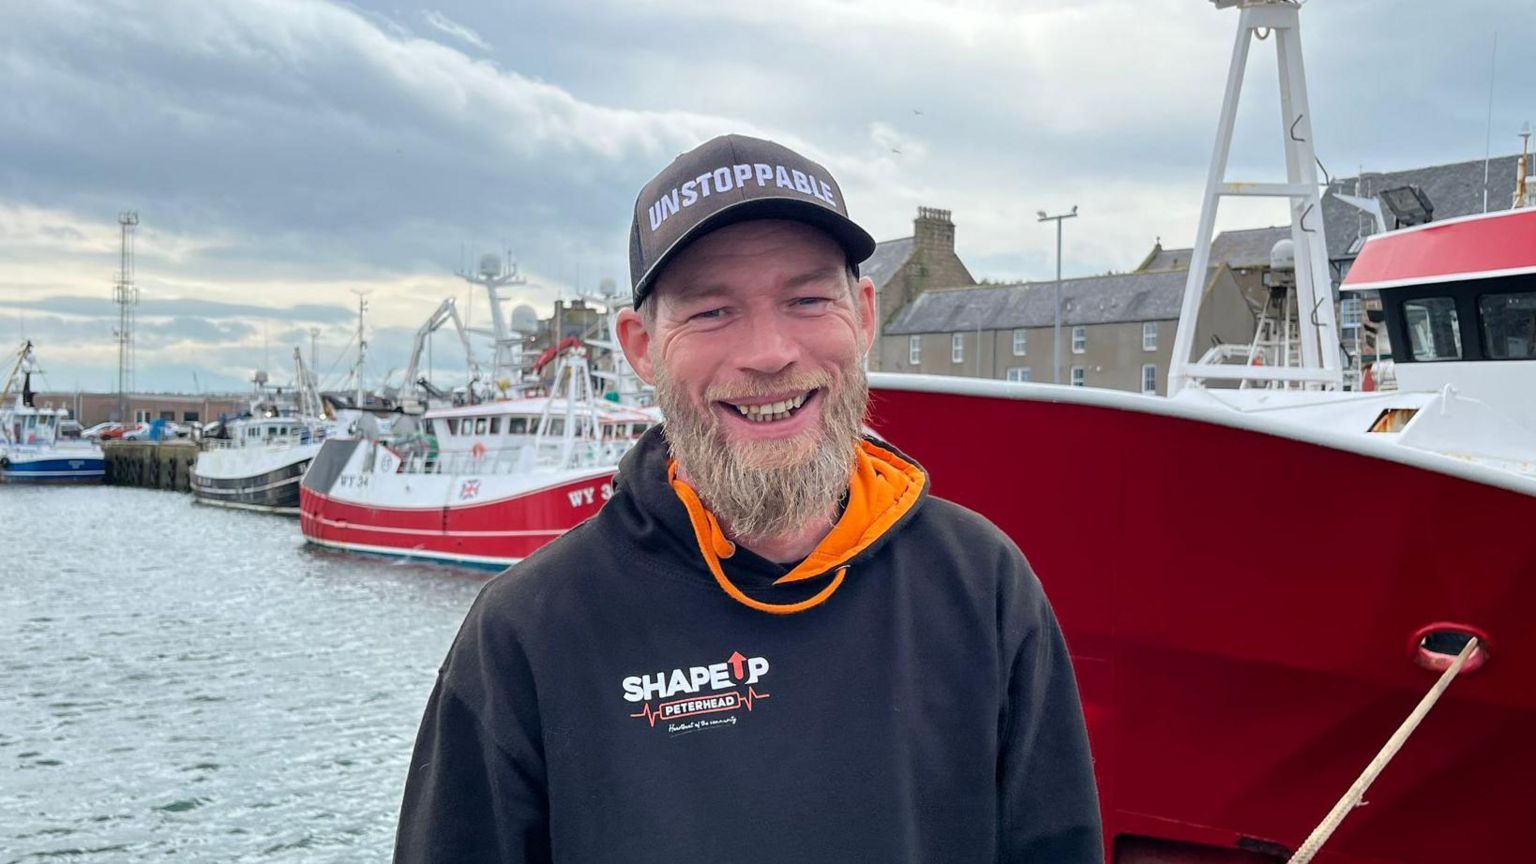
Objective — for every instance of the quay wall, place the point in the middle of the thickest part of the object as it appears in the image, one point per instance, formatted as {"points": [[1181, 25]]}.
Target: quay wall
{"points": [[151, 464]]}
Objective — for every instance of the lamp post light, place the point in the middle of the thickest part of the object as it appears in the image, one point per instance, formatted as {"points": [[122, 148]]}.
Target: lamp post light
{"points": [[1056, 339]]}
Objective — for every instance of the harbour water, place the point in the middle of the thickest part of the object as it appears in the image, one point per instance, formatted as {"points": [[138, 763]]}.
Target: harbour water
{"points": [[190, 683]]}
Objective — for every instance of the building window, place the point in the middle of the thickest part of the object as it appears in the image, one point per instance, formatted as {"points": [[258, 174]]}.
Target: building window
{"points": [[957, 348], [1351, 311], [915, 350], [1020, 343], [1079, 377], [1079, 340], [189, 416], [1149, 378], [1018, 373], [1149, 336]]}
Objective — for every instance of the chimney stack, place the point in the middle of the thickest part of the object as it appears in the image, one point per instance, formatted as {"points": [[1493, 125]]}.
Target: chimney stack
{"points": [[933, 232]]}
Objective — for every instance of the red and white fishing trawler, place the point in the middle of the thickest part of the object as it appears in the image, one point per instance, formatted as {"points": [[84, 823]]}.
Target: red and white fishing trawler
{"points": [[483, 485], [1258, 583]]}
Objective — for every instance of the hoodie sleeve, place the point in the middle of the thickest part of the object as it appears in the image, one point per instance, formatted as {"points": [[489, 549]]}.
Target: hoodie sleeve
{"points": [[1049, 810], [476, 786]]}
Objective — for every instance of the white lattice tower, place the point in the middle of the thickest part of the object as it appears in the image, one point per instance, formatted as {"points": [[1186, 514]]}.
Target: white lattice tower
{"points": [[1316, 329]]}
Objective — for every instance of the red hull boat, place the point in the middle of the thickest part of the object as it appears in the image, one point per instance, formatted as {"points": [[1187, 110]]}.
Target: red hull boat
{"points": [[1262, 575], [1238, 669]]}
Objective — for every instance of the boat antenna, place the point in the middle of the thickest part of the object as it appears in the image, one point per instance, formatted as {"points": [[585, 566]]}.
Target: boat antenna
{"points": [[362, 343], [1493, 66], [1523, 169]]}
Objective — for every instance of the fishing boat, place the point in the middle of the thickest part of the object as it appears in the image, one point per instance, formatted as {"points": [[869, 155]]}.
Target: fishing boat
{"points": [[1262, 574], [41, 444], [485, 475], [254, 461], [482, 485]]}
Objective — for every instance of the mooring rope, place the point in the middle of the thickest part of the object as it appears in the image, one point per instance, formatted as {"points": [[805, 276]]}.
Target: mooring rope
{"points": [[1351, 799]]}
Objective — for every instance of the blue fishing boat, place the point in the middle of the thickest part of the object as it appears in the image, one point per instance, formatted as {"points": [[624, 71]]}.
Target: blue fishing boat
{"points": [[38, 444]]}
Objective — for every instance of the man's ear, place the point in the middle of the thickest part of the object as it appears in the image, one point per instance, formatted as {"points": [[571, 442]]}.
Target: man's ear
{"points": [[869, 324], [635, 339]]}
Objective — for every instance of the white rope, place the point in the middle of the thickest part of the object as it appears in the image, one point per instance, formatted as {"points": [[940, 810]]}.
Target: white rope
{"points": [[1352, 798]]}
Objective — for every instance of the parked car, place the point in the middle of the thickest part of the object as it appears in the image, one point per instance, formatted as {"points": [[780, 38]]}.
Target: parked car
{"points": [[107, 430], [156, 430]]}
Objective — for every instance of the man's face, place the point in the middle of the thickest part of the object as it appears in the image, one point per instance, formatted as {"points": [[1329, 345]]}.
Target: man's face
{"points": [[757, 351]]}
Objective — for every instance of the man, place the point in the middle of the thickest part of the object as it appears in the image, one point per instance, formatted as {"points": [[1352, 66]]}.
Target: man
{"points": [[771, 645]]}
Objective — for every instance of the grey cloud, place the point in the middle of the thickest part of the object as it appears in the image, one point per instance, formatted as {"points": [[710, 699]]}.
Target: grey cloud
{"points": [[308, 138], [442, 23], [193, 329], [306, 119], [149, 307]]}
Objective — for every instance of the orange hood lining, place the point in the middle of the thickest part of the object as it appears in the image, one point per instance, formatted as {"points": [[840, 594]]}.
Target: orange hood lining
{"points": [[883, 488]]}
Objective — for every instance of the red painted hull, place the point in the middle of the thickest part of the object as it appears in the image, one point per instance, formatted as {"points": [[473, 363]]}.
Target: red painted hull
{"points": [[488, 534], [1240, 667]]}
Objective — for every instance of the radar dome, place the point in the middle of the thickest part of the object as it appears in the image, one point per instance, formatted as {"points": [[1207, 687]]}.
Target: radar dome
{"points": [[490, 264], [525, 319], [1283, 255]]}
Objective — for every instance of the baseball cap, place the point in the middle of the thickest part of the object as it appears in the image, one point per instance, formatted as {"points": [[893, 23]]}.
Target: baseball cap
{"points": [[729, 179]]}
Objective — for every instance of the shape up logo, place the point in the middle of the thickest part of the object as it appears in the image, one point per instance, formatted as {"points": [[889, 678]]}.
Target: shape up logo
{"points": [[712, 694]]}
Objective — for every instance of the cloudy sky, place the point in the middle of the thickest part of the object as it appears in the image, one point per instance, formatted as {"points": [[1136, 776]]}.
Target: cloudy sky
{"points": [[282, 153]]}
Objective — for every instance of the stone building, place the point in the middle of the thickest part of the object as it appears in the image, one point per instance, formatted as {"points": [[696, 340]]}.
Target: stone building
{"points": [[92, 408], [904, 268], [1117, 330]]}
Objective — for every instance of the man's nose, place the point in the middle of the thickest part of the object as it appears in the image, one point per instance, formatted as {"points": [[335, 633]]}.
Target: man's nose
{"points": [[767, 345]]}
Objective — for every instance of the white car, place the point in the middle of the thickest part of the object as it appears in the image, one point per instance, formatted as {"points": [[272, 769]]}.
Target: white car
{"points": [[95, 432]]}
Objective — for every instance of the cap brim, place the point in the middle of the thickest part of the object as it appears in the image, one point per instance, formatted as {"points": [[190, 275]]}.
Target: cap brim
{"points": [[856, 242]]}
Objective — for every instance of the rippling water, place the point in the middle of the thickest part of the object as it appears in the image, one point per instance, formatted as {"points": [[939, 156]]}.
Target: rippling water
{"points": [[182, 681]]}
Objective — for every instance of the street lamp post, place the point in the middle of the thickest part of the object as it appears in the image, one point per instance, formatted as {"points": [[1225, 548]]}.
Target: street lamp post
{"points": [[1056, 339]]}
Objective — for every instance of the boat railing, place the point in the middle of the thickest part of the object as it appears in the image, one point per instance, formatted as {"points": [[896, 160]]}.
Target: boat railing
{"points": [[282, 442], [534, 456]]}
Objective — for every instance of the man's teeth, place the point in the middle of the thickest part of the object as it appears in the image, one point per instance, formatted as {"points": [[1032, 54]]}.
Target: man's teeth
{"points": [[772, 411]]}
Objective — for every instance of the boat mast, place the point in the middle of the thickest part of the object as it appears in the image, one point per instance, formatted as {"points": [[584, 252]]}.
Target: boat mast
{"points": [[362, 345], [494, 276], [23, 362], [309, 400], [1317, 330]]}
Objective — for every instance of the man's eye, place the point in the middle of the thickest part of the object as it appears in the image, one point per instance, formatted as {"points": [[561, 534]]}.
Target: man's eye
{"points": [[812, 301], [707, 315]]}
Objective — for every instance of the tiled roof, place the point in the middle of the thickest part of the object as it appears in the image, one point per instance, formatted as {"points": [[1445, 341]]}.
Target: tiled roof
{"points": [[1240, 249], [888, 258], [1125, 297], [1454, 190]]}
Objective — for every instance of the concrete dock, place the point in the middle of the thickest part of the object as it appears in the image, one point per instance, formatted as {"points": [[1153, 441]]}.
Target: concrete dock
{"points": [[151, 464]]}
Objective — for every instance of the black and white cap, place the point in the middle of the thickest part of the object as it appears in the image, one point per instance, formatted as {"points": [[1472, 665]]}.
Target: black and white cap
{"points": [[731, 179]]}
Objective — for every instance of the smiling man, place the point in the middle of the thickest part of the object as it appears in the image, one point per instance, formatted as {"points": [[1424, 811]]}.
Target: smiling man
{"points": [[772, 644]]}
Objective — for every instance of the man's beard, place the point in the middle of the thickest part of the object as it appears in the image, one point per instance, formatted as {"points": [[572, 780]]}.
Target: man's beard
{"points": [[767, 488]]}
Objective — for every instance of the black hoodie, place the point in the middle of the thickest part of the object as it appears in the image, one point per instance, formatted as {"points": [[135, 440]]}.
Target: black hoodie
{"points": [[903, 695]]}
